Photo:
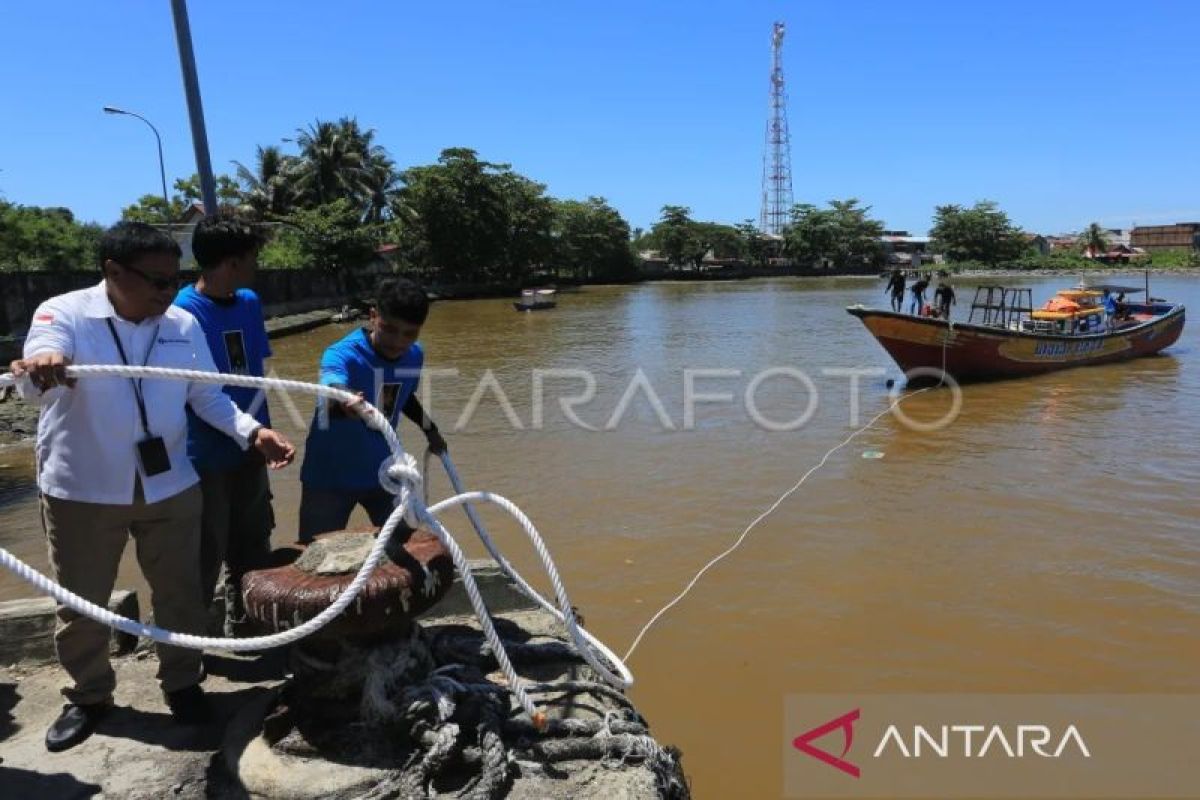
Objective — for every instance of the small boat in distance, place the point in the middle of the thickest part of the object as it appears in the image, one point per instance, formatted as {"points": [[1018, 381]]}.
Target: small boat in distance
{"points": [[1006, 337], [536, 300]]}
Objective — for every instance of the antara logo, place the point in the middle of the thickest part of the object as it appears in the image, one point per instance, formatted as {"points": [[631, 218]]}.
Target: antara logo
{"points": [[978, 740], [803, 742], [945, 741]]}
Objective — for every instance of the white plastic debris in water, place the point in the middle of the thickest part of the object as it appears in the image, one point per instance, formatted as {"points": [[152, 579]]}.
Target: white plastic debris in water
{"points": [[872, 454]]}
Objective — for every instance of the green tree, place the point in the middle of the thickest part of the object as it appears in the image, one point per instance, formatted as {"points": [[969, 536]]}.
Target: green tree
{"points": [[529, 242], [340, 160], [285, 249], [843, 235], [330, 237], [153, 209], [724, 241], [592, 241], [1093, 240], [269, 188], [755, 247], [33, 238], [683, 240], [336, 160], [331, 162], [380, 186], [675, 235], [981, 233], [642, 240], [471, 221]]}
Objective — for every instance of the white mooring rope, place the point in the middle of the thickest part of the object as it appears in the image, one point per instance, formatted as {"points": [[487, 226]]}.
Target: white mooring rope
{"points": [[738, 542], [400, 476], [584, 641]]}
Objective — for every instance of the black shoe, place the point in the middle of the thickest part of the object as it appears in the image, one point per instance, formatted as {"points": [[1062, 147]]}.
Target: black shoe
{"points": [[189, 706], [74, 724]]}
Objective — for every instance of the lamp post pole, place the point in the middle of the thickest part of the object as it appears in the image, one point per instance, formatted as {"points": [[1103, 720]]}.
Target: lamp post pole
{"points": [[162, 168], [191, 90]]}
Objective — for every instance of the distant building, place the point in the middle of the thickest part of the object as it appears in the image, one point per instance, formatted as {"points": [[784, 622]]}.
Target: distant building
{"points": [[1119, 237], [1181, 236], [192, 214], [899, 248], [653, 262]]}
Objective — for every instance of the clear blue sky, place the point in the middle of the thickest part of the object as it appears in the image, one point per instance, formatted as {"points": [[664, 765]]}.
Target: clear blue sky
{"points": [[1063, 112]]}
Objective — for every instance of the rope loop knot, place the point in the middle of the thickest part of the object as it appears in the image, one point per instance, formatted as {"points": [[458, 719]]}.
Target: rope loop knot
{"points": [[400, 475]]}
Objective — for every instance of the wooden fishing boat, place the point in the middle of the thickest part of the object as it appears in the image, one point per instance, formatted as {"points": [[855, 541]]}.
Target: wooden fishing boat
{"points": [[536, 300], [1006, 337]]}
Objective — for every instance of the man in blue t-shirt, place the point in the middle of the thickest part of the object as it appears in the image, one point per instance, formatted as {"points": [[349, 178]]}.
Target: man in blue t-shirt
{"points": [[381, 363], [237, 518]]}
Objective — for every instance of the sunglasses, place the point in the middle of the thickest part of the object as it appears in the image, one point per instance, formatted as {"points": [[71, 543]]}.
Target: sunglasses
{"points": [[159, 283]]}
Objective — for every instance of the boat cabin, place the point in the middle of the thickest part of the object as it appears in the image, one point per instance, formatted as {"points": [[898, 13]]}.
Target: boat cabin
{"points": [[1070, 312]]}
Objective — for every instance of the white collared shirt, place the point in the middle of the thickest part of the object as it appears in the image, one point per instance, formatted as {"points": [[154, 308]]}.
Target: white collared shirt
{"points": [[87, 435]]}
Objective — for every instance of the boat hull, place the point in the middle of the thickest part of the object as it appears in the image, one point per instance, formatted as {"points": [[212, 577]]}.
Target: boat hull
{"points": [[976, 352], [544, 305]]}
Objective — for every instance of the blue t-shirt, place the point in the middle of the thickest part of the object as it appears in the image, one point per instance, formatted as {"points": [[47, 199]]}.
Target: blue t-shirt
{"points": [[341, 452], [237, 338]]}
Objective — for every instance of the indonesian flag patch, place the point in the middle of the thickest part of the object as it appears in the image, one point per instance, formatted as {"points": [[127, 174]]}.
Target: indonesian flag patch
{"points": [[43, 318]]}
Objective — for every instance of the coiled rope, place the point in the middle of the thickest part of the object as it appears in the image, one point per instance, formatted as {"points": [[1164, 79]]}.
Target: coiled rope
{"points": [[428, 697], [398, 475]]}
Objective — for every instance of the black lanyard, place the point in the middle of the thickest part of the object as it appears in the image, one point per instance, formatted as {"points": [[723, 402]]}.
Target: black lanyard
{"points": [[137, 384]]}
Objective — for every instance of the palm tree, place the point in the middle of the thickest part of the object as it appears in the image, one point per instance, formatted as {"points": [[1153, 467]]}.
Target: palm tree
{"points": [[1093, 241], [381, 184], [331, 162], [340, 160], [269, 186]]}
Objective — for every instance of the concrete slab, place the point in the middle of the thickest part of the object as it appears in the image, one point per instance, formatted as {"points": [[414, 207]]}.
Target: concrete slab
{"points": [[498, 593], [298, 323], [138, 752], [27, 627]]}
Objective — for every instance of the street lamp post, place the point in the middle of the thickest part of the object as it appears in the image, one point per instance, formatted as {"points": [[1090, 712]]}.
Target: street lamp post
{"points": [[162, 169]]}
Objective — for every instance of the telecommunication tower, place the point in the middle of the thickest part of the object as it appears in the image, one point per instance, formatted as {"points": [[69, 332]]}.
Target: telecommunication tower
{"points": [[777, 157]]}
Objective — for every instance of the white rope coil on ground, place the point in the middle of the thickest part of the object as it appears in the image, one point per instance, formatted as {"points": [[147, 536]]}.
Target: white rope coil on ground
{"points": [[400, 476]]}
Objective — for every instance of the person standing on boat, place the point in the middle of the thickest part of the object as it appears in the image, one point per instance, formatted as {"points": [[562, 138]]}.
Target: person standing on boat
{"points": [[896, 288], [236, 524], [944, 297], [1110, 307], [918, 295], [342, 455], [112, 463], [1121, 308]]}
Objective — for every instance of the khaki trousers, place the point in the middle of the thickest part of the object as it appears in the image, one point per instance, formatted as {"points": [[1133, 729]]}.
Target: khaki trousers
{"points": [[86, 541]]}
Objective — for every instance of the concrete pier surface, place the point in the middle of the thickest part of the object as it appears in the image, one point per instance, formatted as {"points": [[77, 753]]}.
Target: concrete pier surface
{"points": [[139, 752]]}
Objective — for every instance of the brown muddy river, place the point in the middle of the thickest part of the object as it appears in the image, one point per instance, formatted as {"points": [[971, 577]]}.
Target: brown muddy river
{"points": [[1044, 541]]}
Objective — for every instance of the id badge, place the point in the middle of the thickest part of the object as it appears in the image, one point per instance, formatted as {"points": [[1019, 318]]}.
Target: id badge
{"points": [[152, 453]]}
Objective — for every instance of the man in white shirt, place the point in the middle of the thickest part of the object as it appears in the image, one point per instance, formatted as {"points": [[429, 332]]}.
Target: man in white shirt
{"points": [[112, 463]]}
